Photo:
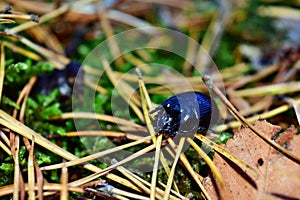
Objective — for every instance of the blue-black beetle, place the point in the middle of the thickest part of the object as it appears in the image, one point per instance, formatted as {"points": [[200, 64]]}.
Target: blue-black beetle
{"points": [[185, 113]]}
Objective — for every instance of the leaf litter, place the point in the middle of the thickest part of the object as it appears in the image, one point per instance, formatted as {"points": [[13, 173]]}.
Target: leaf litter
{"points": [[278, 177]]}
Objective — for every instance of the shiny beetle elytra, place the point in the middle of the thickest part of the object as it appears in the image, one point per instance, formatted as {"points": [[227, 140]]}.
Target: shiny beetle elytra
{"points": [[185, 113]]}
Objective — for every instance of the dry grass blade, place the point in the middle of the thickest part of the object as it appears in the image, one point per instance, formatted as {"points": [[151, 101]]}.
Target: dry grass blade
{"points": [[8, 189], [175, 193], [108, 31], [137, 62], [104, 171], [124, 89], [188, 166], [141, 183], [2, 69], [22, 51], [155, 167], [56, 60], [11, 123], [6, 21], [38, 173], [4, 137], [95, 87], [39, 176], [275, 89], [64, 195], [130, 20], [119, 193], [295, 106], [147, 104], [135, 179], [107, 118], [114, 134], [5, 148], [279, 12], [246, 168], [95, 156], [266, 115], [143, 90], [23, 96], [14, 125], [23, 17], [31, 174], [252, 78], [172, 173], [51, 15], [284, 151], [207, 160], [16, 168], [211, 39]]}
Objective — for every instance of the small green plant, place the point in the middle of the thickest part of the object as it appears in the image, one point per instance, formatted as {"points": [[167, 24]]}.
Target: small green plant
{"points": [[39, 110]]}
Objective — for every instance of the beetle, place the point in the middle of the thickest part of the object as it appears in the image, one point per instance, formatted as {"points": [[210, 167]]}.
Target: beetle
{"points": [[185, 114]]}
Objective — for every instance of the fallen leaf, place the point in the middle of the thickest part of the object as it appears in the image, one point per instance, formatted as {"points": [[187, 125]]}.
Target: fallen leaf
{"points": [[279, 177]]}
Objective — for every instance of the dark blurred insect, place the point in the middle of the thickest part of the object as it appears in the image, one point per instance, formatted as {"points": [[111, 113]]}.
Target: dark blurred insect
{"points": [[61, 79], [185, 113]]}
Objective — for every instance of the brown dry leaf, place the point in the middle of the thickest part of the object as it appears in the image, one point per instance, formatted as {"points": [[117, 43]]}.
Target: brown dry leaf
{"points": [[279, 177]]}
